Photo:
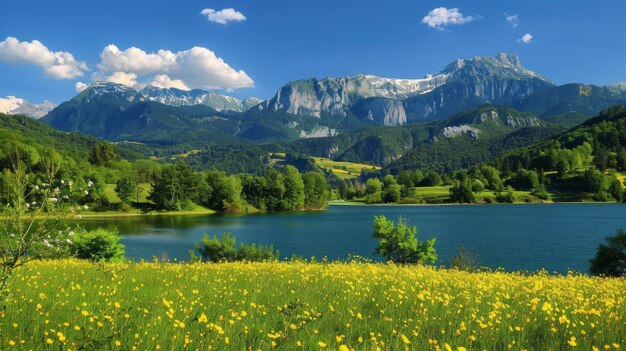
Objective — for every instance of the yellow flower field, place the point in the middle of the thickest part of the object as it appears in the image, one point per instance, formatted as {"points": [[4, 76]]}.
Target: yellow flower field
{"points": [[73, 305]]}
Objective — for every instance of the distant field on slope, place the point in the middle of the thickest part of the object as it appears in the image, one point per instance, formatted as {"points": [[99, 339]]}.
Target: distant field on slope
{"points": [[61, 305], [344, 170]]}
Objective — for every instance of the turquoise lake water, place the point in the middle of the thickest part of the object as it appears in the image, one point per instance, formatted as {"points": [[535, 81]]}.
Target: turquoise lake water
{"points": [[556, 237]]}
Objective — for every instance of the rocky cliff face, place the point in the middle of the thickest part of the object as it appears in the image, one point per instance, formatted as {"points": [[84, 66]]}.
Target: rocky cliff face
{"points": [[381, 111], [334, 96], [462, 84]]}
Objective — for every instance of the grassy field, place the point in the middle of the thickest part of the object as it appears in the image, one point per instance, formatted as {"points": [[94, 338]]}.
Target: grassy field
{"points": [[344, 170], [143, 207], [111, 195], [441, 194], [72, 305], [622, 178]]}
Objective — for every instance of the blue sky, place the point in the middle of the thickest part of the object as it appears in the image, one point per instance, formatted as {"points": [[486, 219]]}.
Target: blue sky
{"points": [[279, 41]]}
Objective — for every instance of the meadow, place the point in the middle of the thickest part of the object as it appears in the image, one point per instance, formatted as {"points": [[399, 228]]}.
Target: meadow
{"points": [[76, 305]]}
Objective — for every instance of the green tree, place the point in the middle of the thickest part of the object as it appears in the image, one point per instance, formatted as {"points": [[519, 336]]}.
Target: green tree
{"points": [[431, 178], [293, 197], [223, 192], [461, 191], [399, 243], [610, 259], [126, 188], [175, 187], [102, 153], [374, 191], [392, 193], [274, 190], [315, 190]]}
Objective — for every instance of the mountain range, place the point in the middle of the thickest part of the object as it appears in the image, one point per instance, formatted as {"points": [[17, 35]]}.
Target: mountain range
{"points": [[16, 106], [358, 118]]}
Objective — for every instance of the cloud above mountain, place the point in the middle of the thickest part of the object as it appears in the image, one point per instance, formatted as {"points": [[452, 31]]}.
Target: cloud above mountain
{"points": [[55, 64], [441, 17], [197, 67], [223, 16]]}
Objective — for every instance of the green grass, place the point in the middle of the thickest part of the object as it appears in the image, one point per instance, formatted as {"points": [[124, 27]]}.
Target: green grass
{"points": [[343, 170], [111, 195], [61, 305], [622, 178]]}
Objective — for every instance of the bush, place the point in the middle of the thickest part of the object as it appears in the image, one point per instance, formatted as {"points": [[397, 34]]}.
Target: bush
{"points": [[97, 245], [505, 197], [399, 244], [610, 259], [465, 260], [223, 250], [461, 192]]}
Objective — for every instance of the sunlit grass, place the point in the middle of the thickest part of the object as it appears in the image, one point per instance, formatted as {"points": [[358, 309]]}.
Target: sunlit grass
{"points": [[289, 306]]}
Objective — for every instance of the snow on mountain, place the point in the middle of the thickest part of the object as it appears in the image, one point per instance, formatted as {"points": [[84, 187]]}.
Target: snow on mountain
{"points": [[13, 105]]}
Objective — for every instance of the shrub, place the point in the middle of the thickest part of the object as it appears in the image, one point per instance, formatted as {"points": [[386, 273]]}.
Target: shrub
{"points": [[223, 250], [465, 260], [399, 243], [610, 259], [505, 197], [97, 245]]}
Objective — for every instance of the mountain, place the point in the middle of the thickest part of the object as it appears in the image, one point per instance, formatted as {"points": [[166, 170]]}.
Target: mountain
{"points": [[89, 111], [464, 139], [571, 100], [177, 97], [13, 106], [119, 113], [462, 84]]}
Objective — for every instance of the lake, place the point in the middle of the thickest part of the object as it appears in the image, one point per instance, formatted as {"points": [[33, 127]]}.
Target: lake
{"points": [[556, 237]]}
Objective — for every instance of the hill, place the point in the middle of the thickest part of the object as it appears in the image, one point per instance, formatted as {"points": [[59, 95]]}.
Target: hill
{"points": [[30, 134]]}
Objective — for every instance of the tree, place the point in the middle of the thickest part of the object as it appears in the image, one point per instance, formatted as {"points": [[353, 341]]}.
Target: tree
{"points": [[293, 198], [392, 193], [399, 243], [374, 191], [274, 190], [223, 192], [461, 191], [431, 178], [126, 188], [32, 226], [174, 187], [610, 259], [102, 153], [315, 190]]}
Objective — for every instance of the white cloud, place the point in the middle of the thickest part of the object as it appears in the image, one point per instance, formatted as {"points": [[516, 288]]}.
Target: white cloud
{"points": [[197, 67], [223, 16], [58, 65], [134, 60], [512, 19], [441, 17], [163, 81], [526, 38], [80, 86], [129, 79]]}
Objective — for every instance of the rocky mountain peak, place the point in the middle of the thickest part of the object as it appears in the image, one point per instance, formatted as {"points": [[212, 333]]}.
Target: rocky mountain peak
{"points": [[508, 59]]}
